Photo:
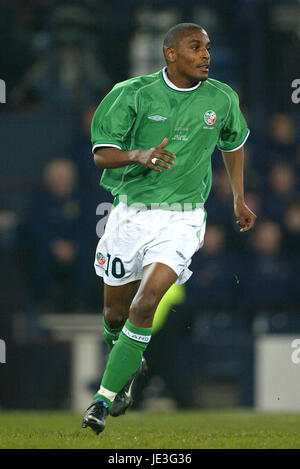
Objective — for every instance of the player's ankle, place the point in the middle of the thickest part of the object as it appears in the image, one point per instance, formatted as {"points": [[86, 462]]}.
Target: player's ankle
{"points": [[101, 397]]}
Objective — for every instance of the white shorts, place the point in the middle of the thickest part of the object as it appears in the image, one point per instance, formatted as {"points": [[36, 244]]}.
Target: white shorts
{"points": [[134, 238]]}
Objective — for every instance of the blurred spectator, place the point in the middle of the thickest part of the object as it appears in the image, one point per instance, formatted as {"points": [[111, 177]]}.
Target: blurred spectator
{"points": [[254, 202], [13, 297], [89, 174], [292, 227], [81, 152], [282, 141], [219, 25], [61, 46], [9, 223], [252, 176], [282, 134], [298, 158], [216, 274], [57, 224], [94, 195], [145, 47], [12, 288], [251, 173], [68, 72], [282, 181], [268, 280], [219, 205]]}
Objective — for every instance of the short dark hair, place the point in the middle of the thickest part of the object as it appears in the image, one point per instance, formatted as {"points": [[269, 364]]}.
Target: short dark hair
{"points": [[176, 32]]}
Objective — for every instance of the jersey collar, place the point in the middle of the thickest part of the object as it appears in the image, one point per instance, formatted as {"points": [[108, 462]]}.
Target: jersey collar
{"points": [[174, 87]]}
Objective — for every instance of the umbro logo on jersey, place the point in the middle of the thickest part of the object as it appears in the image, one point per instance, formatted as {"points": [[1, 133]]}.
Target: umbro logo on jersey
{"points": [[157, 118]]}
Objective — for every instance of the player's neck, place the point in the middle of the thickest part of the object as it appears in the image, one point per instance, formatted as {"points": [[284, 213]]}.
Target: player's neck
{"points": [[180, 81]]}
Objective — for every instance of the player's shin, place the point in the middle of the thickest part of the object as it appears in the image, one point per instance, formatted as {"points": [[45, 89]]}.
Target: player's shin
{"points": [[124, 360]]}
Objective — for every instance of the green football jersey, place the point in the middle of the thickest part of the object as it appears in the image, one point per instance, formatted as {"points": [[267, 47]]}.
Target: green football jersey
{"points": [[140, 112]]}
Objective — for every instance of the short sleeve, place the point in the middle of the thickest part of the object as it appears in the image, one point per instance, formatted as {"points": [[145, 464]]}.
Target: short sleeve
{"points": [[114, 119], [234, 132]]}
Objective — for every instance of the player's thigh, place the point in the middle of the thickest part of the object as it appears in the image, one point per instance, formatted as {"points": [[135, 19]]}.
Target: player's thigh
{"points": [[156, 280], [117, 301]]}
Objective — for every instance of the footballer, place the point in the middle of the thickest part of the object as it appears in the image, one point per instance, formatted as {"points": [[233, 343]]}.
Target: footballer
{"points": [[154, 136]]}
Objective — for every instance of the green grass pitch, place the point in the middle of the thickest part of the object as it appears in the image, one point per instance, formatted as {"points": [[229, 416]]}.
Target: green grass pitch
{"points": [[141, 430]]}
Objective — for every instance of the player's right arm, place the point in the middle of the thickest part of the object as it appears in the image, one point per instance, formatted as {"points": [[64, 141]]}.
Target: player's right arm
{"points": [[109, 157], [112, 125]]}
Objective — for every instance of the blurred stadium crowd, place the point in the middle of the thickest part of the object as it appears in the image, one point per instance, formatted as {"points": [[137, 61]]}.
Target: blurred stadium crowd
{"points": [[50, 245], [58, 61]]}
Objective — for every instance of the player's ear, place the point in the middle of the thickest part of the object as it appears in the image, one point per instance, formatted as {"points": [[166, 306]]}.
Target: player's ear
{"points": [[170, 54]]}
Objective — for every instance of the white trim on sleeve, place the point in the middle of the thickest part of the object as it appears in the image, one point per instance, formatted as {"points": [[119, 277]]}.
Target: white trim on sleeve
{"points": [[240, 146], [98, 145]]}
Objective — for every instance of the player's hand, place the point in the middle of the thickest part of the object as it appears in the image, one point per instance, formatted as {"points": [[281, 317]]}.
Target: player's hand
{"points": [[156, 158], [245, 217]]}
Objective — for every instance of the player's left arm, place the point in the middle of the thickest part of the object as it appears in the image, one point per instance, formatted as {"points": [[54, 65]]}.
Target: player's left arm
{"points": [[234, 164]]}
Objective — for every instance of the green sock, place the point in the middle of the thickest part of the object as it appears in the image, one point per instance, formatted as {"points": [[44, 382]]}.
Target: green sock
{"points": [[110, 335], [125, 358]]}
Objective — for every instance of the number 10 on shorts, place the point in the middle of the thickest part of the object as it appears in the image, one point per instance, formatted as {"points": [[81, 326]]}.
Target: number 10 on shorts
{"points": [[117, 267]]}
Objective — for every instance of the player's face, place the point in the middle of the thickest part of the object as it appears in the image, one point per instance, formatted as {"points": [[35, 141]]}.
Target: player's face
{"points": [[192, 56]]}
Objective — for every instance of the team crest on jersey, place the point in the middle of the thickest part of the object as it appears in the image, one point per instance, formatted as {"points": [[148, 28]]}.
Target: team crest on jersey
{"points": [[157, 118], [100, 258], [210, 117]]}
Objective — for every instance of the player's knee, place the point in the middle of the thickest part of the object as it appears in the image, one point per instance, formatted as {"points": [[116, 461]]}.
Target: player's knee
{"points": [[114, 316]]}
